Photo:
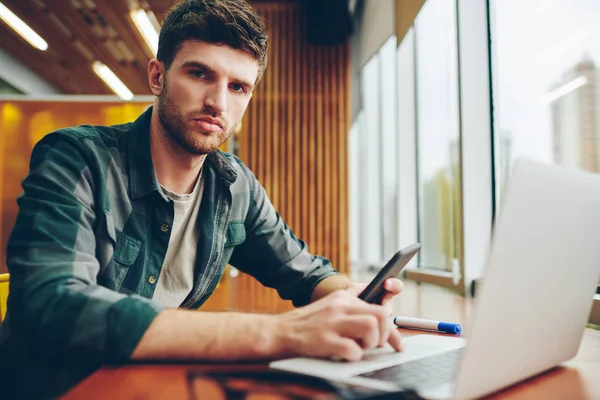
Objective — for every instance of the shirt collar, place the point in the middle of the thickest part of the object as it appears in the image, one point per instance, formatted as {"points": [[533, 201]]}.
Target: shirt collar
{"points": [[142, 178]]}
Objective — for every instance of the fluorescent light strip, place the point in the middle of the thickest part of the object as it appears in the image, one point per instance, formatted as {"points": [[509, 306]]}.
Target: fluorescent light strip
{"points": [[564, 89], [22, 28], [147, 30], [112, 81]]}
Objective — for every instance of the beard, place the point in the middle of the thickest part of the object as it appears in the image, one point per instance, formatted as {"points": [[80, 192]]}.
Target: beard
{"points": [[178, 129]]}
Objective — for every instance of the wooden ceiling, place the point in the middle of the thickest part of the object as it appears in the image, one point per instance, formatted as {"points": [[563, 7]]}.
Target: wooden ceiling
{"points": [[79, 32]]}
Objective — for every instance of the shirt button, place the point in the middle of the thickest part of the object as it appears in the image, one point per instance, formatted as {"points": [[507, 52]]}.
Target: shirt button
{"points": [[152, 279], [164, 228]]}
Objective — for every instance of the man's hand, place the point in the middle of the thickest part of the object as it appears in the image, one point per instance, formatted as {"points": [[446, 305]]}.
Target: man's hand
{"points": [[339, 325], [392, 286]]}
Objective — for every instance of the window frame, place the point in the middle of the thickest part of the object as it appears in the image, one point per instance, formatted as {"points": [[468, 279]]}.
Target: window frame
{"points": [[475, 149]]}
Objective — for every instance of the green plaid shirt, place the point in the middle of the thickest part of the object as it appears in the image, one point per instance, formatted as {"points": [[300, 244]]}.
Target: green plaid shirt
{"points": [[92, 233]]}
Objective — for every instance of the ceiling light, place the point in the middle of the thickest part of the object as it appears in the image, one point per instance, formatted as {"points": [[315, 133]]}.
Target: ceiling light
{"points": [[112, 81], [146, 28], [22, 28]]}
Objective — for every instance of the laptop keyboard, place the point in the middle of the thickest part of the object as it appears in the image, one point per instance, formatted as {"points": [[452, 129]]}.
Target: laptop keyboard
{"points": [[424, 373]]}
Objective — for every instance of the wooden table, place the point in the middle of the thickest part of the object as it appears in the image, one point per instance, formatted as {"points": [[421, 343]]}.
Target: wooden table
{"points": [[578, 378]]}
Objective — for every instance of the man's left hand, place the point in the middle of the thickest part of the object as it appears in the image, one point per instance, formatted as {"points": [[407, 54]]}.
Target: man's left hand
{"points": [[392, 286]]}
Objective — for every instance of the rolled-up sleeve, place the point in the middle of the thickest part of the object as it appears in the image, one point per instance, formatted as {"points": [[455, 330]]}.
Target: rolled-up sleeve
{"points": [[273, 254], [55, 304]]}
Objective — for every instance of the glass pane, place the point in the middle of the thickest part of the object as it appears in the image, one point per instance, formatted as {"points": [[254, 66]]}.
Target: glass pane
{"points": [[369, 167], [407, 170], [354, 189], [389, 148], [546, 58], [440, 221], [547, 84]]}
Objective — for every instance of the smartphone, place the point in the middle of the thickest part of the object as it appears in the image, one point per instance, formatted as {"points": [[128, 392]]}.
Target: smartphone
{"points": [[373, 293]]}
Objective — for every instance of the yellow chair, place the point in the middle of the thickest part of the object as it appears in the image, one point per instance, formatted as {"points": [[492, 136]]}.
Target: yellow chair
{"points": [[3, 294]]}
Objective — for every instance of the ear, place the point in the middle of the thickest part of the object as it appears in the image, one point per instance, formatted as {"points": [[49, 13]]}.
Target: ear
{"points": [[156, 73]]}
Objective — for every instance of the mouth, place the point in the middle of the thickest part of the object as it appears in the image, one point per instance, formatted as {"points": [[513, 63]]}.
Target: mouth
{"points": [[209, 124], [210, 120]]}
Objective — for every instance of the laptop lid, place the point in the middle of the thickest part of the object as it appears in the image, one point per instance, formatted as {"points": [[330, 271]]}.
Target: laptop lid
{"points": [[542, 274]]}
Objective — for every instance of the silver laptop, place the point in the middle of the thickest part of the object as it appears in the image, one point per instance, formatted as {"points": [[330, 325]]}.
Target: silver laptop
{"points": [[532, 308]]}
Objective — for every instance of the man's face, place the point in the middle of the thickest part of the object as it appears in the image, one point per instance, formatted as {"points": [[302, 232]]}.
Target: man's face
{"points": [[204, 95]]}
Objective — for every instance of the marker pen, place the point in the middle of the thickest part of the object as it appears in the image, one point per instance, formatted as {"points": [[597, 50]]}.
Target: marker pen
{"points": [[448, 327]]}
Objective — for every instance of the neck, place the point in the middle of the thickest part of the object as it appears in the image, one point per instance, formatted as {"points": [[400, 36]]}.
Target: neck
{"points": [[176, 169]]}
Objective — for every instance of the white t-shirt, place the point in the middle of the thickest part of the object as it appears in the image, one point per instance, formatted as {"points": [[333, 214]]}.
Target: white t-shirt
{"points": [[176, 278]]}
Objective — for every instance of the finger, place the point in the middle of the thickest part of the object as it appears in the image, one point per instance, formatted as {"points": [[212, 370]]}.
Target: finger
{"points": [[385, 329], [355, 288], [344, 348], [393, 286], [387, 297], [388, 309], [355, 306], [395, 340], [381, 313], [360, 327]]}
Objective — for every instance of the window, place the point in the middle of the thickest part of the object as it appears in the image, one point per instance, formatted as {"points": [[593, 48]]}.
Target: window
{"points": [[369, 156], [407, 155], [389, 149], [374, 163], [547, 85], [407, 187], [438, 147]]}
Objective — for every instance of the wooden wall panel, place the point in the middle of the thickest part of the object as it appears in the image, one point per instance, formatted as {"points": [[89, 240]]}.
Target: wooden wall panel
{"points": [[294, 138]]}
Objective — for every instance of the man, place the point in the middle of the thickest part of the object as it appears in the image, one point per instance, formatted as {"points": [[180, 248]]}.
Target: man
{"points": [[122, 230]]}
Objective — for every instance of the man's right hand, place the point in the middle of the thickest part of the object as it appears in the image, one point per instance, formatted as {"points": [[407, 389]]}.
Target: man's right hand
{"points": [[339, 325]]}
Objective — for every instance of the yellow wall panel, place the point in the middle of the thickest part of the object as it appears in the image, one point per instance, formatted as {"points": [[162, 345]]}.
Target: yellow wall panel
{"points": [[23, 124]]}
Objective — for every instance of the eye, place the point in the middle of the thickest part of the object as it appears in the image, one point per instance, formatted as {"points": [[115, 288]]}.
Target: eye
{"points": [[198, 73], [238, 88]]}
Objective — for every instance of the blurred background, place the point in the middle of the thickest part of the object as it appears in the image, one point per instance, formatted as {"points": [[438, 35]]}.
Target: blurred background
{"points": [[378, 123]]}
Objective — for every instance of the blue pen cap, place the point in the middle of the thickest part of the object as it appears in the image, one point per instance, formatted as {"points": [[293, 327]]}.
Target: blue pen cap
{"points": [[449, 328]]}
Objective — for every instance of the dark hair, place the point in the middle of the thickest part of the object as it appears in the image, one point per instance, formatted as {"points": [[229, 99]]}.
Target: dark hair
{"points": [[230, 22]]}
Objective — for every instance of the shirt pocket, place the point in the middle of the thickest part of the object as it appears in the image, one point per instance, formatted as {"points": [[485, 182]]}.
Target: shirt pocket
{"points": [[125, 252], [236, 233], [127, 249]]}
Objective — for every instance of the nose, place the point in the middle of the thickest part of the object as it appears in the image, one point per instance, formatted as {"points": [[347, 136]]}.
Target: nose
{"points": [[216, 98]]}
